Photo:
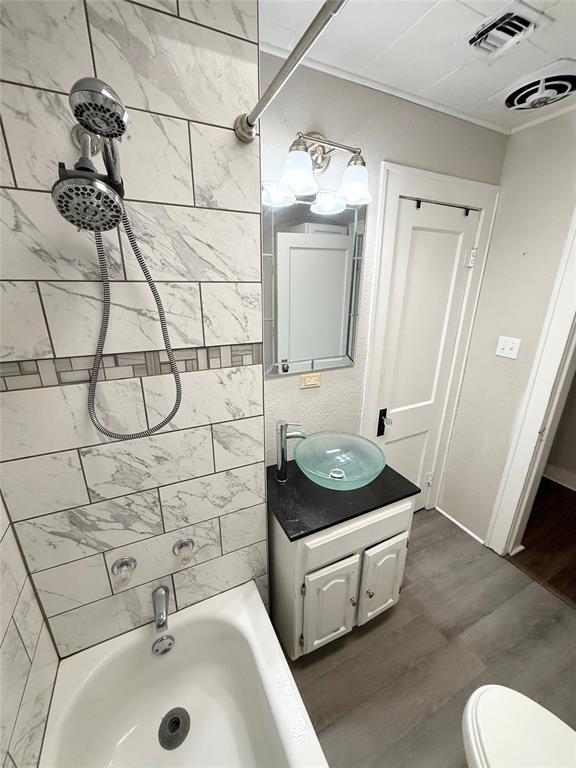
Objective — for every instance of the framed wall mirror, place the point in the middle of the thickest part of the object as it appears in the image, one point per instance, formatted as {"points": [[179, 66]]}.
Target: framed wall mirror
{"points": [[311, 278]]}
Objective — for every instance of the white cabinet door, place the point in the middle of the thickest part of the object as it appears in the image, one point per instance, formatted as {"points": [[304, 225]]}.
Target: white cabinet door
{"points": [[382, 571], [330, 602]]}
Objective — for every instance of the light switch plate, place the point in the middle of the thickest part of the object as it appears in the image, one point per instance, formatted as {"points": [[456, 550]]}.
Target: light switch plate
{"points": [[508, 347], [309, 380]]}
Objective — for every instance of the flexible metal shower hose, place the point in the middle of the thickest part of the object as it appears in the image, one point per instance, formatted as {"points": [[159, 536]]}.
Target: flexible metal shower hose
{"points": [[104, 330]]}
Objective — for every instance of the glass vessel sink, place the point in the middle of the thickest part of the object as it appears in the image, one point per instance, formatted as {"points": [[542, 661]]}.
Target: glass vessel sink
{"points": [[339, 461]]}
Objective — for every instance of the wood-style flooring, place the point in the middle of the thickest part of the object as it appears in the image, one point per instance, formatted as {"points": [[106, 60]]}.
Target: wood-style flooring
{"points": [[391, 693], [550, 540]]}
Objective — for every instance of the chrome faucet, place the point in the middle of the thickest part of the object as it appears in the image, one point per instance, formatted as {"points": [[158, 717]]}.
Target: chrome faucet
{"points": [[160, 598], [282, 437]]}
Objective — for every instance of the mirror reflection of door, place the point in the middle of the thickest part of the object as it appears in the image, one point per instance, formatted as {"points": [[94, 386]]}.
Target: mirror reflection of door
{"points": [[311, 277], [314, 271], [430, 273]]}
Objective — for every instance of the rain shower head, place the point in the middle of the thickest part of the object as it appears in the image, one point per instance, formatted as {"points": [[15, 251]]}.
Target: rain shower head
{"points": [[87, 203], [98, 108]]}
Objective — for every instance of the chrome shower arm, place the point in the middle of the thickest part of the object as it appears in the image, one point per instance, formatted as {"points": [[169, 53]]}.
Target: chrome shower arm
{"points": [[112, 160], [245, 125]]}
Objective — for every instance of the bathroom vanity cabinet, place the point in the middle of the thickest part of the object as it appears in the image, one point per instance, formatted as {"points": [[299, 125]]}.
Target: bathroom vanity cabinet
{"points": [[336, 557]]}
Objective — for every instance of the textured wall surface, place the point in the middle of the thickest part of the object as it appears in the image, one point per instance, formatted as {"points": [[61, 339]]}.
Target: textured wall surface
{"points": [[76, 500], [536, 205], [387, 128]]}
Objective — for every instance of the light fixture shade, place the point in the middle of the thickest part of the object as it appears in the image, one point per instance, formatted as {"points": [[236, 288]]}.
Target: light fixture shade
{"points": [[328, 203], [354, 185], [298, 175], [275, 196]]}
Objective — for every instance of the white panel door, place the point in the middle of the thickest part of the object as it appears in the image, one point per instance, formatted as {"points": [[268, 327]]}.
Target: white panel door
{"points": [[434, 248], [313, 295], [382, 571], [330, 602]]}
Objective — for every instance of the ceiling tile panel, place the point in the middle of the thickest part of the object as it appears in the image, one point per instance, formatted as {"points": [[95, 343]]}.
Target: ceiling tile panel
{"points": [[363, 30], [559, 38], [435, 46]]}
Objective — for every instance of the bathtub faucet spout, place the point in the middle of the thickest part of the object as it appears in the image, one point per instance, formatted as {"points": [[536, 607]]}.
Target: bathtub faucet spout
{"points": [[160, 601]]}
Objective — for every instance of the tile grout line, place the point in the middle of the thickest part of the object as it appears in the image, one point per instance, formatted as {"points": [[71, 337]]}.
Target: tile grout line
{"points": [[48, 331], [105, 566], [90, 44], [178, 17], [86, 486], [191, 162], [10, 163], [144, 405], [202, 316]]}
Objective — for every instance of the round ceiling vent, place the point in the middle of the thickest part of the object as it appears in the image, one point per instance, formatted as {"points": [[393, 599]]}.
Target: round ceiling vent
{"points": [[541, 93]]}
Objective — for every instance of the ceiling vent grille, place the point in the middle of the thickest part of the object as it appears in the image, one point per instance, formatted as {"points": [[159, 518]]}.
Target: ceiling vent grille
{"points": [[507, 28], [542, 93]]}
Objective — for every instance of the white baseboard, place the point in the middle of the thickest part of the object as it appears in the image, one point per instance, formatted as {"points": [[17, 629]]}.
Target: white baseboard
{"points": [[517, 550], [561, 476], [463, 527]]}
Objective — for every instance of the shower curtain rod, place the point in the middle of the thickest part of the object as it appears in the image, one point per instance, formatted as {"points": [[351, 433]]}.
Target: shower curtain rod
{"points": [[245, 125]]}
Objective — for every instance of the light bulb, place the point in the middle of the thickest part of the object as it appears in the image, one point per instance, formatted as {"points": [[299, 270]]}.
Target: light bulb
{"points": [[328, 203], [275, 196], [298, 175], [354, 184]]}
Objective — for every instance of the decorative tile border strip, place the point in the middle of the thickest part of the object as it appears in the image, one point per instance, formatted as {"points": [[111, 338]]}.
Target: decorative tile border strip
{"points": [[50, 372]]}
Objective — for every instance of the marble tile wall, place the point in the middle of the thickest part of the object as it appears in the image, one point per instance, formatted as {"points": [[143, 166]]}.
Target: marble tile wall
{"points": [[75, 500], [28, 657]]}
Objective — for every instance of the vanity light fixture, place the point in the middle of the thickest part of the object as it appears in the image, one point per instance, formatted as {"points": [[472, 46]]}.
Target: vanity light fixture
{"points": [[310, 154]]}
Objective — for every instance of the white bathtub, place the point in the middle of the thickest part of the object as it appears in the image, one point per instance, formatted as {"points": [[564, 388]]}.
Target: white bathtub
{"points": [[226, 669]]}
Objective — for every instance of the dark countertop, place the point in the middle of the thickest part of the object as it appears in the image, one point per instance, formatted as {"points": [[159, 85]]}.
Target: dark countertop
{"points": [[302, 507]]}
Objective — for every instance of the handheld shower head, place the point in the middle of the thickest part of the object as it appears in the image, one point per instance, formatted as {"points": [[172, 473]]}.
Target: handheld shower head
{"points": [[87, 202], [98, 108]]}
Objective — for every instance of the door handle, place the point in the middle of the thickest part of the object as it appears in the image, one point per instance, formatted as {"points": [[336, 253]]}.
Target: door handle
{"points": [[370, 593], [354, 601]]}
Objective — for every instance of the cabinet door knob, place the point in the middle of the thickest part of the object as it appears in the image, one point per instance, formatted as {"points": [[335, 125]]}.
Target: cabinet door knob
{"points": [[354, 601], [370, 593]]}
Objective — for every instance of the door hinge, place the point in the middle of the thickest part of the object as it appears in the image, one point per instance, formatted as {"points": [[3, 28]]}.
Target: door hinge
{"points": [[301, 640], [471, 258], [429, 478], [303, 590], [542, 432]]}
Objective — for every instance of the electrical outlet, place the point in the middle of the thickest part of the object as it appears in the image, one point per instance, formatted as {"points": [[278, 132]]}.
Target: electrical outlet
{"points": [[508, 347], [310, 380]]}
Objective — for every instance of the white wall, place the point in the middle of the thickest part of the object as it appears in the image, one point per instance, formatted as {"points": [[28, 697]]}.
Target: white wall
{"points": [[387, 128], [562, 459], [536, 204]]}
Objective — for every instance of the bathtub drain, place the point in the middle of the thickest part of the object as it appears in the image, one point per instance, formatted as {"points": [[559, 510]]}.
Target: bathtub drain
{"points": [[174, 728]]}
